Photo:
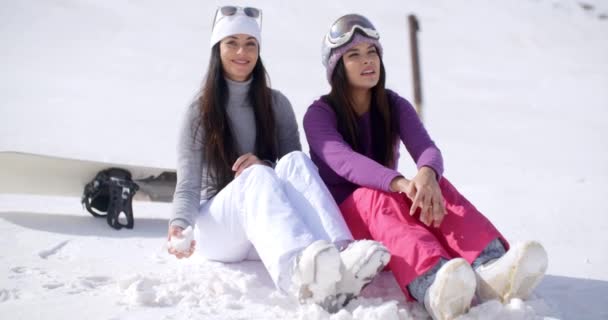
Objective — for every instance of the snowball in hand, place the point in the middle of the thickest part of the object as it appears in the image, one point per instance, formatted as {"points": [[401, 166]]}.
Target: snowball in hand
{"points": [[182, 244]]}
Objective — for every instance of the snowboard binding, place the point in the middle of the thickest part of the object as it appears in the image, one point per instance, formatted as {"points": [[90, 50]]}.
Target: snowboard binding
{"points": [[111, 191]]}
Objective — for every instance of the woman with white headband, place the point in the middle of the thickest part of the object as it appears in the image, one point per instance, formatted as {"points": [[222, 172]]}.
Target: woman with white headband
{"points": [[243, 203], [443, 250]]}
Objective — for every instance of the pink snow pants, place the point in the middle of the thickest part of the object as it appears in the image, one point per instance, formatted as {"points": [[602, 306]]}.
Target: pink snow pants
{"points": [[416, 248]]}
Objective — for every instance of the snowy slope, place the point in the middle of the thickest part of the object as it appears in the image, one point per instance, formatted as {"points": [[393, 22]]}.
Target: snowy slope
{"points": [[516, 96]]}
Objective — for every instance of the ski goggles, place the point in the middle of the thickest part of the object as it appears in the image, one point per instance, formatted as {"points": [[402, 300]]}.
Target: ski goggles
{"points": [[345, 27], [228, 11]]}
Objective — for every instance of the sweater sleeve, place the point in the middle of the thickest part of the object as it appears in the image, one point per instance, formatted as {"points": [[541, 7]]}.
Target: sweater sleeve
{"points": [[326, 142], [288, 136], [415, 137], [187, 197]]}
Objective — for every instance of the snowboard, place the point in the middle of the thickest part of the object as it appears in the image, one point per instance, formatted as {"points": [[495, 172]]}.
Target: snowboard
{"points": [[38, 174]]}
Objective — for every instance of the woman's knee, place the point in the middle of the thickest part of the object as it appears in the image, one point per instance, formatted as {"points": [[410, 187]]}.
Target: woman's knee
{"points": [[376, 195], [376, 202], [257, 171], [258, 177], [294, 158]]}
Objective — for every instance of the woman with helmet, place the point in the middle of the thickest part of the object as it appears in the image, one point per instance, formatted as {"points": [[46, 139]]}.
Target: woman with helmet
{"points": [[444, 251]]}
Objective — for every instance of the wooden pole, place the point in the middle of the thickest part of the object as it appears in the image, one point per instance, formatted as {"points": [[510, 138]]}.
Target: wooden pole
{"points": [[414, 27]]}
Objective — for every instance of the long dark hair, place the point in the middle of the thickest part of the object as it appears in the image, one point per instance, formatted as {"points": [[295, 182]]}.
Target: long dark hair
{"points": [[219, 145], [383, 125]]}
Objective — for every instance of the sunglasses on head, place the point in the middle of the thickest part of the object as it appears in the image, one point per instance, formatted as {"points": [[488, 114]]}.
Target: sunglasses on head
{"points": [[232, 10], [228, 11]]}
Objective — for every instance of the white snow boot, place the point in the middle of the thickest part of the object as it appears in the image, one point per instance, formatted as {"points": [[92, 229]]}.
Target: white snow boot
{"points": [[452, 291], [514, 275], [362, 260], [315, 274]]}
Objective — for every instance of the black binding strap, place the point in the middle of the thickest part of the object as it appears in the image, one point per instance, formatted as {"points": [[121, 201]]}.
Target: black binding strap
{"points": [[111, 191]]}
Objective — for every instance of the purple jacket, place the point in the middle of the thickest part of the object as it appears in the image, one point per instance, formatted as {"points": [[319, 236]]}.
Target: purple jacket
{"points": [[343, 170]]}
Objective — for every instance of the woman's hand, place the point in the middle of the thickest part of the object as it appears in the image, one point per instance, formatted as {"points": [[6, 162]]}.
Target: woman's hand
{"points": [[427, 197], [175, 231], [245, 161], [425, 194]]}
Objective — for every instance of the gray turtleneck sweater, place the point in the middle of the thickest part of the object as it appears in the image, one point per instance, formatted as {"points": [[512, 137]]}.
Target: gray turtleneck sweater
{"points": [[192, 187]]}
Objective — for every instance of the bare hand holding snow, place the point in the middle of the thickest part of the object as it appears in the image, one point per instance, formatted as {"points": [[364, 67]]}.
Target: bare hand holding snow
{"points": [[182, 244]]}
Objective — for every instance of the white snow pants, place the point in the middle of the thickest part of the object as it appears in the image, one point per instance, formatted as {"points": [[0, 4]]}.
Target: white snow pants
{"points": [[277, 213]]}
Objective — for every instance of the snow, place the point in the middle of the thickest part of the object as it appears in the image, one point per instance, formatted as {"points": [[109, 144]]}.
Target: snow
{"points": [[516, 96]]}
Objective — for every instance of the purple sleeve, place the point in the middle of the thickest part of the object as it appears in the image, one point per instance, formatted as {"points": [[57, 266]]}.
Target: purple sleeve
{"points": [[415, 138], [326, 142]]}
